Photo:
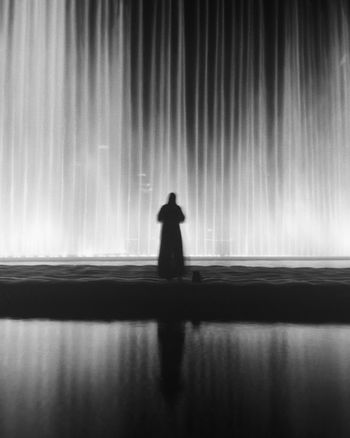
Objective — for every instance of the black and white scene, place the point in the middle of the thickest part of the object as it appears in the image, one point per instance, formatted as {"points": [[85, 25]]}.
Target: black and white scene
{"points": [[174, 218]]}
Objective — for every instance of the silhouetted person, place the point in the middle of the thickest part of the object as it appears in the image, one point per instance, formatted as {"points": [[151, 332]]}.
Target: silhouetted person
{"points": [[171, 342], [171, 259]]}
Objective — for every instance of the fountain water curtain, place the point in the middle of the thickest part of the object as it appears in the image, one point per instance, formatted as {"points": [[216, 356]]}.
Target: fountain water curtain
{"points": [[240, 107]]}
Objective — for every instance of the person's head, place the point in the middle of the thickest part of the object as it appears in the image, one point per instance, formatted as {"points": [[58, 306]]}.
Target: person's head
{"points": [[172, 198]]}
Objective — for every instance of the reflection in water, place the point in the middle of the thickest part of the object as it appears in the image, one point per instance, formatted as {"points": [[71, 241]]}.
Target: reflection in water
{"points": [[65, 379], [171, 341]]}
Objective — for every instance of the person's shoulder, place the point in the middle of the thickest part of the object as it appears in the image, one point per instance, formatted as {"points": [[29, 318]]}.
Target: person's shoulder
{"points": [[163, 208]]}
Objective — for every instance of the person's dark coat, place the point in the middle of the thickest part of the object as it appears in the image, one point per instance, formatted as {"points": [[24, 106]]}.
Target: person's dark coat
{"points": [[171, 260]]}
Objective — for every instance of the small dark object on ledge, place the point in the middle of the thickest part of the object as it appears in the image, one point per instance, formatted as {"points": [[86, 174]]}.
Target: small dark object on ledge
{"points": [[196, 277]]}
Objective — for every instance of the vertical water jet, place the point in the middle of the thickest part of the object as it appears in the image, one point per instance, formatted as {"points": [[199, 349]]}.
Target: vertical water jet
{"points": [[240, 107]]}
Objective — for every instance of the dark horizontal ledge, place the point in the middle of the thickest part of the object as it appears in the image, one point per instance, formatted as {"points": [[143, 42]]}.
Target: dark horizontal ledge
{"points": [[108, 300]]}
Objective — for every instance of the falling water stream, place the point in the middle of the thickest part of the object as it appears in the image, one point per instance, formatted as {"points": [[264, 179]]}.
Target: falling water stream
{"points": [[240, 107]]}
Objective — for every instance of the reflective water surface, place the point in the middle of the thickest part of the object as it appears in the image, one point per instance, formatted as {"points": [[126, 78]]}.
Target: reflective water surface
{"points": [[159, 379]]}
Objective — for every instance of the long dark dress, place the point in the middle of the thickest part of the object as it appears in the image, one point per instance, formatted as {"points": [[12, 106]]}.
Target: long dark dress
{"points": [[171, 259]]}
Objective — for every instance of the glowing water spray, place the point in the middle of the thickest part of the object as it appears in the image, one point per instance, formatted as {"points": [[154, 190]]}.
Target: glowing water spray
{"points": [[98, 124]]}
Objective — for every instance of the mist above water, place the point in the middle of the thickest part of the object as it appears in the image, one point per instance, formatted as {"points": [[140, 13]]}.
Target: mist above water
{"points": [[240, 108]]}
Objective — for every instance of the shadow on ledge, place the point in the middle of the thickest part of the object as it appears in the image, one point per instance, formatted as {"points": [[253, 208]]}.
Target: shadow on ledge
{"points": [[106, 300]]}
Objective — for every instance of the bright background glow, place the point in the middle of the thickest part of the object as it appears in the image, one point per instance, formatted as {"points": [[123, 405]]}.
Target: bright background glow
{"points": [[98, 124]]}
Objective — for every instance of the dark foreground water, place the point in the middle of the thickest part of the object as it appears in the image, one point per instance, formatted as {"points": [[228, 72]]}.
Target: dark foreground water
{"points": [[160, 379]]}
